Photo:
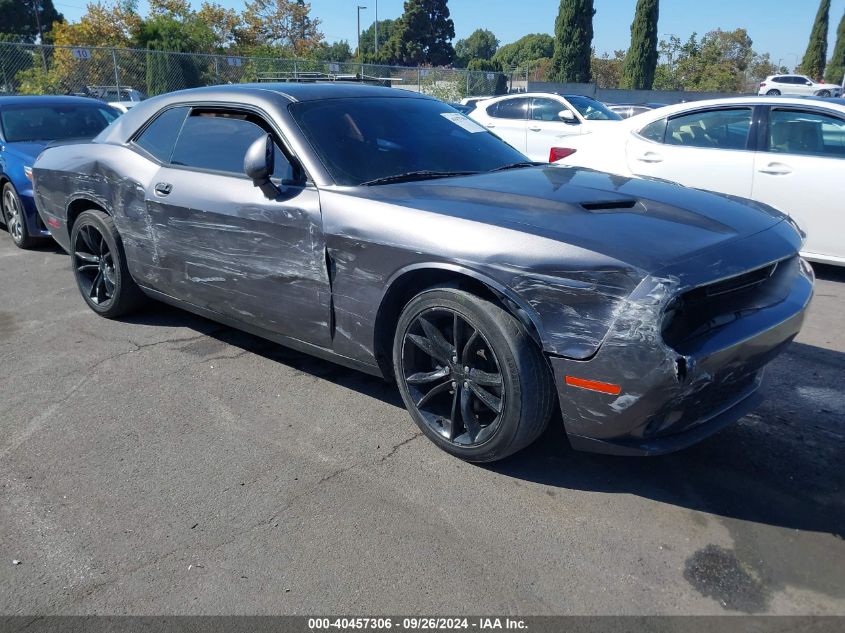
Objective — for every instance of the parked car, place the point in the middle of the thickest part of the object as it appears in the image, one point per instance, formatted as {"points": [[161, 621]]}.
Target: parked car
{"points": [[627, 110], [383, 230], [473, 101], [797, 85], [537, 123], [463, 109], [122, 98], [27, 126], [788, 153]]}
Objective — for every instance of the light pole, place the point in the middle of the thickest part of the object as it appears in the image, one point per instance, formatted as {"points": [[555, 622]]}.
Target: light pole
{"points": [[376, 28], [359, 31]]}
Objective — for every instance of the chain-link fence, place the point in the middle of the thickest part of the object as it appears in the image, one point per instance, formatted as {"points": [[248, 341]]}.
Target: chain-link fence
{"points": [[113, 73]]}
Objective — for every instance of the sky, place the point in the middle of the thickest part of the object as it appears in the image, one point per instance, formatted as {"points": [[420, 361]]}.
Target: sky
{"points": [[779, 27]]}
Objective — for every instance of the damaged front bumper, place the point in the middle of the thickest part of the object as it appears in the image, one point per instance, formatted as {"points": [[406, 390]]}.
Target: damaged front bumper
{"points": [[678, 365]]}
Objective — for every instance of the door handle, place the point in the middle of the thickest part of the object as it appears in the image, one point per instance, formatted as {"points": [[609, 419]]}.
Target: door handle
{"points": [[490, 126], [650, 157], [535, 129], [163, 188], [776, 169]]}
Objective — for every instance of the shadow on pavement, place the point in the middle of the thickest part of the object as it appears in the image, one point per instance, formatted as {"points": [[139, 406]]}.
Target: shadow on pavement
{"points": [[782, 465]]}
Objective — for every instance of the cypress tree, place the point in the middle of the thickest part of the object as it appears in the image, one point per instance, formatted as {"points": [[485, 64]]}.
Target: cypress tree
{"points": [[836, 68], [816, 56], [573, 41], [641, 60]]}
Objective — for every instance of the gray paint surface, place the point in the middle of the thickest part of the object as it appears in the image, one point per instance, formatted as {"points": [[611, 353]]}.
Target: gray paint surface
{"points": [[588, 261]]}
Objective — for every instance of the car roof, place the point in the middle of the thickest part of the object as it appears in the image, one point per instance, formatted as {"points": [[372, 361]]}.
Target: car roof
{"points": [[271, 97], [44, 100], [833, 104], [294, 91]]}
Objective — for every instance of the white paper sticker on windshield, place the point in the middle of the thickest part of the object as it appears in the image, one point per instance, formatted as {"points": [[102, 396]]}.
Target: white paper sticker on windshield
{"points": [[459, 119]]}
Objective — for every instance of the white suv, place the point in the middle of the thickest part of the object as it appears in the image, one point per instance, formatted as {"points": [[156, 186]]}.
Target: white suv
{"points": [[537, 123], [797, 85]]}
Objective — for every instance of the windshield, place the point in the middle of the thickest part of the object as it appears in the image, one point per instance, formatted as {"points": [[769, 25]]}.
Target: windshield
{"points": [[361, 140], [22, 123], [592, 110]]}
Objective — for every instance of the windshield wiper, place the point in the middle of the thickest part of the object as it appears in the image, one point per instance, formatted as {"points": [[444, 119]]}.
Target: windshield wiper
{"points": [[518, 166], [416, 175]]}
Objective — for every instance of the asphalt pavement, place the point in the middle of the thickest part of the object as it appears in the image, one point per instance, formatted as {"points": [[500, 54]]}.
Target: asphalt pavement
{"points": [[164, 464]]}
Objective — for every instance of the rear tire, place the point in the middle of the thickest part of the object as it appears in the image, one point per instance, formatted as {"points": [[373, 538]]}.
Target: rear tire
{"points": [[99, 265], [471, 376], [15, 219], [773, 93]]}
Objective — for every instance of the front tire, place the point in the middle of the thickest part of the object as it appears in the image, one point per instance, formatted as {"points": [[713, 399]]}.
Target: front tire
{"points": [[13, 216], [99, 265], [773, 93], [471, 376], [824, 93]]}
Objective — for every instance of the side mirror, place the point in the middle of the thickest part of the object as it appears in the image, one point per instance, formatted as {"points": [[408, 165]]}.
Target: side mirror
{"points": [[567, 116], [259, 162], [808, 83]]}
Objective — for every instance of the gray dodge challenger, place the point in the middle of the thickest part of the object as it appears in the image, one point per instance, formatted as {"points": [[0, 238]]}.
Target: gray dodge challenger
{"points": [[383, 230]]}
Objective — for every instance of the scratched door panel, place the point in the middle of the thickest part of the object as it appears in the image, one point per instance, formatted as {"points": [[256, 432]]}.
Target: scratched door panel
{"points": [[223, 246]]}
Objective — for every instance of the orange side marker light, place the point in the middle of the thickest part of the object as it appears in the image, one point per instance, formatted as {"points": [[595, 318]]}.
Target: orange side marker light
{"points": [[593, 385]]}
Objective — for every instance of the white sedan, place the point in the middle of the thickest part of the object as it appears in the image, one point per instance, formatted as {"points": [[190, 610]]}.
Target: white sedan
{"points": [[786, 152], [537, 123]]}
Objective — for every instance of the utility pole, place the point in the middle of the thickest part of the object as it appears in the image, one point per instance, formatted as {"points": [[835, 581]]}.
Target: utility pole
{"points": [[359, 31], [376, 28], [40, 34]]}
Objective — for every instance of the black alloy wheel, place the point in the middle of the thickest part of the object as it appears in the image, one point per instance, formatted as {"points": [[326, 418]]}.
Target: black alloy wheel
{"points": [[470, 375], [99, 266], [453, 376], [94, 266]]}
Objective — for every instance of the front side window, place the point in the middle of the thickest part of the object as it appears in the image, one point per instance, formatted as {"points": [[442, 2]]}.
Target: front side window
{"points": [[27, 123], [806, 133], [218, 141], [719, 129], [160, 136], [543, 109], [366, 139], [511, 109], [592, 110]]}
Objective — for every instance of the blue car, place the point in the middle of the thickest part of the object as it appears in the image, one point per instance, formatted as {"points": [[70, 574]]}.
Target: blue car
{"points": [[27, 126]]}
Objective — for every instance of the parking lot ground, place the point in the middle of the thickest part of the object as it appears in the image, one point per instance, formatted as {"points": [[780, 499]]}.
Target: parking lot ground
{"points": [[163, 464]]}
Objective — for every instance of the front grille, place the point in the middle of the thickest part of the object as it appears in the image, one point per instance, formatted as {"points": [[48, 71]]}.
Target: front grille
{"points": [[698, 312]]}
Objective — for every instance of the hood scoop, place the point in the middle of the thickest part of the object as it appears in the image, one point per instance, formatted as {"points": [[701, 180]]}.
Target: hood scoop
{"points": [[612, 206]]}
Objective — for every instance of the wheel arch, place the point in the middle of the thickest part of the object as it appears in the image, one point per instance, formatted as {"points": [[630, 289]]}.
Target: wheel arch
{"points": [[81, 203], [408, 282]]}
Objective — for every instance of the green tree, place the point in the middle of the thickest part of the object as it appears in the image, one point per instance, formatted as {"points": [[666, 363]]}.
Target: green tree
{"points": [[527, 49], [368, 41], [164, 35], [607, 70], [283, 23], [816, 56], [573, 41], [423, 35], [482, 84], [481, 44], [18, 19], [836, 68], [641, 60], [335, 52]]}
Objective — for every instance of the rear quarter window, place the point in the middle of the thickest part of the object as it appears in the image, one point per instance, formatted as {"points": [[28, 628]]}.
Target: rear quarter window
{"points": [[654, 131], [159, 137]]}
